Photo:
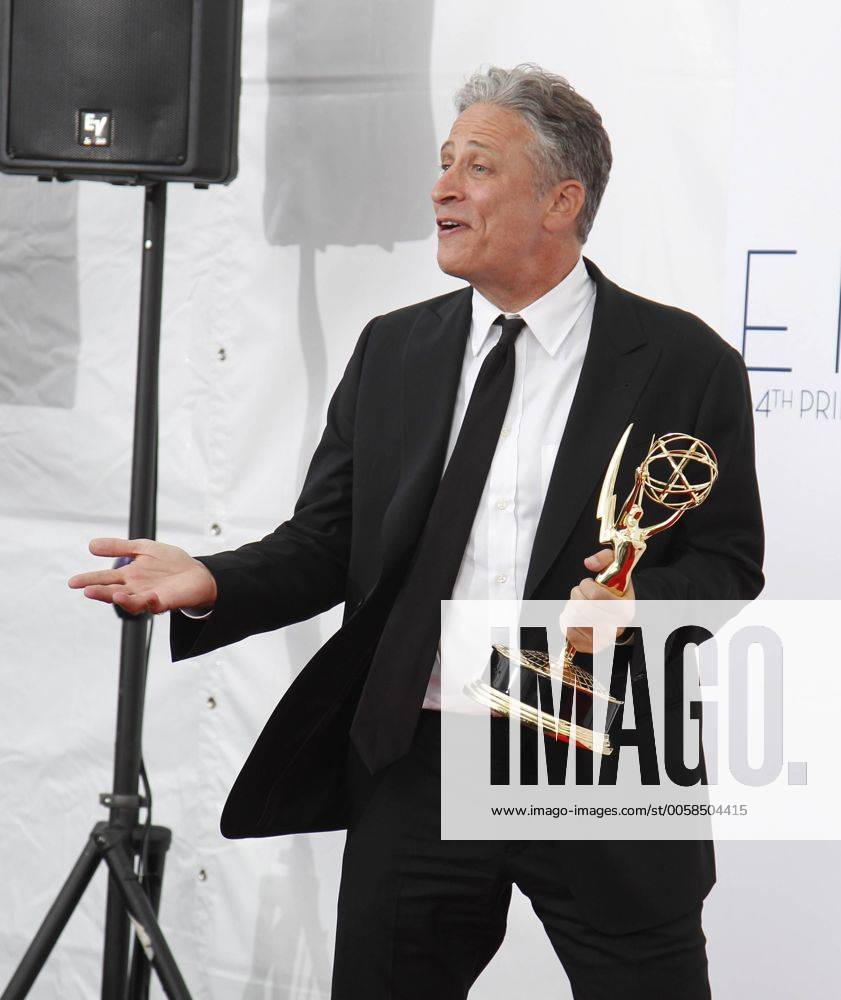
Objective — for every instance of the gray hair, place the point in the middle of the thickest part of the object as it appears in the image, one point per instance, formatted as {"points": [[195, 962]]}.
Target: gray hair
{"points": [[570, 140]]}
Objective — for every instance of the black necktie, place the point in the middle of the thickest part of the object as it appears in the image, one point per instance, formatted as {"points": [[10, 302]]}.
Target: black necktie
{"points": [[390, 704]]}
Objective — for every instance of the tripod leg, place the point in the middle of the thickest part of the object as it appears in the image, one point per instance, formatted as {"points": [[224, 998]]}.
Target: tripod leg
{"points": [[117, 936], [53, 924], [146, 923], [159, 841]]}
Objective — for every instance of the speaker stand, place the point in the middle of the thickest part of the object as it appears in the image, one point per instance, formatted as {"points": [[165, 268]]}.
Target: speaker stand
{"points": [[118, 841]]}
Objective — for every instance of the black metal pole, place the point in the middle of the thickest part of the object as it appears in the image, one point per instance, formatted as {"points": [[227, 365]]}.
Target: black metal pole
{"points": [[132, 685], [159, 840]]}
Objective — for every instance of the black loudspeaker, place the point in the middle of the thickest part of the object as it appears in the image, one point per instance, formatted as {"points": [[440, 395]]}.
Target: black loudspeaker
{"points": [[127, 91]]}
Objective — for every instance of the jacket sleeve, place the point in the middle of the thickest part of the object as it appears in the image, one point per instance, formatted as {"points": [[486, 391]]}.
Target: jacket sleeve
{"points": [[717, 549], [299, 570]]}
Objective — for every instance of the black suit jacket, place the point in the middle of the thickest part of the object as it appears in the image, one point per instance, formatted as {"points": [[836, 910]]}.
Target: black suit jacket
{"points": [[363, 505]]}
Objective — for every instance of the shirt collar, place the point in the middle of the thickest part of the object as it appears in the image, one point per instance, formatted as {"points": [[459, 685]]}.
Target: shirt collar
{"points": [[550, 318]]}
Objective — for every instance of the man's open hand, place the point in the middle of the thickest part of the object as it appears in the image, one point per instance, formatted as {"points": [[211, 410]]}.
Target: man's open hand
{"points": [[159, 578], [619, 615]]}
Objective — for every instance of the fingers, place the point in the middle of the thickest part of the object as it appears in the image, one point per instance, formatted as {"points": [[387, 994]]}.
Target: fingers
{"points": [[599, 560], [102, 593], [592, 591], [100, 577], [137, 604], [589, 616], [118, 546], [581, 638], [610, 616], [589, 590], [610, 609], [583, 641], [144, 602]]}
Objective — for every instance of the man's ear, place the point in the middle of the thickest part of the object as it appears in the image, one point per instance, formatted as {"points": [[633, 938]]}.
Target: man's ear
{"points": [[565, 206]]}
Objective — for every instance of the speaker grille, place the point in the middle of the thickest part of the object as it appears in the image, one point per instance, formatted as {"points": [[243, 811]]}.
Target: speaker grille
{"points": [[125, 59]]}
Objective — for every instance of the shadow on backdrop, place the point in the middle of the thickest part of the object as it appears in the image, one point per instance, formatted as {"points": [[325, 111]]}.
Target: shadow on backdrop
{"points": [[350, 144], [39, 293], [292, 948]]}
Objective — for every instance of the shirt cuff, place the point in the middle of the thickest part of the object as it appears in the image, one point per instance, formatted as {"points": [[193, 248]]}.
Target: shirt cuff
{"points": [[196, 613]]}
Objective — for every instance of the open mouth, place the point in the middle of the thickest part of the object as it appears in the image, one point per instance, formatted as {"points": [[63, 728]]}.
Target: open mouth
{"points": [[447, 226]]}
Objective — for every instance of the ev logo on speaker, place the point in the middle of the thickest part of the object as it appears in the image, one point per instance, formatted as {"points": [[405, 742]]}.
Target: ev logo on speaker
{"points": [[94, 128]]}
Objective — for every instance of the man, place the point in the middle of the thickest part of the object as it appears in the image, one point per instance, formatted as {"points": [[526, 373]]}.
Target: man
{"points": [[431, 480]]}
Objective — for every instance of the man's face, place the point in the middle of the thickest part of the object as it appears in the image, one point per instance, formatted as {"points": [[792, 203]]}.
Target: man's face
{"points": [[487, 186]]}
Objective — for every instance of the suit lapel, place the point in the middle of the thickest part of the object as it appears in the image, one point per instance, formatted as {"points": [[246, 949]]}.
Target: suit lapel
{"points": [[617, 365], [432, 364]]}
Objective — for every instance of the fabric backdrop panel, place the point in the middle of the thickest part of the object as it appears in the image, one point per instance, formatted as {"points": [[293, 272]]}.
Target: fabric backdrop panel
{"points": [[722, 118]]}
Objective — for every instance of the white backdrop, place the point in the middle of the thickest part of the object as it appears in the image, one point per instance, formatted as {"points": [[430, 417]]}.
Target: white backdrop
{"points": [[723, 118]]}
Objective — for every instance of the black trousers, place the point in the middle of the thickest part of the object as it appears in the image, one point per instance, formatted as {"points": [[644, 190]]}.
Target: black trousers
{"points": [[419, 917]]}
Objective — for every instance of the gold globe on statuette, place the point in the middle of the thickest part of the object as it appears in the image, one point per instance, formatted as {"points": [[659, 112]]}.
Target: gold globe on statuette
{"points": [[677, 473]]}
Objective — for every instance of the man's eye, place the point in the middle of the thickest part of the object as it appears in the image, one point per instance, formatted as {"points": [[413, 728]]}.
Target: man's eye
{"points": [[480, 167], [444, 166]]}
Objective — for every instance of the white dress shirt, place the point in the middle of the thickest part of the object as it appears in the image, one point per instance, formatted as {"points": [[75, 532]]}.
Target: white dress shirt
{"points": [[549, 353]]}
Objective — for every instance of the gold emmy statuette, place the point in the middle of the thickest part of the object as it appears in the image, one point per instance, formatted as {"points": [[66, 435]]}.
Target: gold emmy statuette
{"points": [[677, 473]]}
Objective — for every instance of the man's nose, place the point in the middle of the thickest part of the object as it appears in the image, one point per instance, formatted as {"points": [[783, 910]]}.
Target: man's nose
{"points": [[446, 187]]}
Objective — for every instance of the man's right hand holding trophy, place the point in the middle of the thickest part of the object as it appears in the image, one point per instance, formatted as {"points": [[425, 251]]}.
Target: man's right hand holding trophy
{"points": [[677, 473]]}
